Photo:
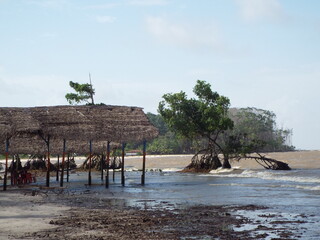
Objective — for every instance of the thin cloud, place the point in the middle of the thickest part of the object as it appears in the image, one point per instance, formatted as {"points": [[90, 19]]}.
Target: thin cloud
{"points": [[185, 34], [49, 35], [130, 3], [48, 3], [148, 2], [104, 6], [252, 10], [105, 19]]}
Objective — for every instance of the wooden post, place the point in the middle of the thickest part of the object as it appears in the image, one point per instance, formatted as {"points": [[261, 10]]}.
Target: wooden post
{"points": [[58, 168], [114, 168], [68, 167], [102, 165], [6, 167], [143, 176], [122, 165], [13, 170], [48, 163], [90, 155], [62, 163], [107, 162]]}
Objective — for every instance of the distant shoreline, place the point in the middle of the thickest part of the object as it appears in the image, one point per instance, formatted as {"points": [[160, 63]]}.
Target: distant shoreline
{"points": [[295, 159]]}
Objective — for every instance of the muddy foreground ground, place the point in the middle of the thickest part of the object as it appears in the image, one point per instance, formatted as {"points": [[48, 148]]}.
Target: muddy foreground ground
{"points": [[58, 214], [40, 213]]}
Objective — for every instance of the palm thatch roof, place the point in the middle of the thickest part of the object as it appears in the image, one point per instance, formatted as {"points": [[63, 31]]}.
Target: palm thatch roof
{"points": [[28, 127], [17, 120]]}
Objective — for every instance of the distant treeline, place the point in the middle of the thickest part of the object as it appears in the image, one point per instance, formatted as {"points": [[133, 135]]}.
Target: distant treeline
{"points": [[255, 124]]}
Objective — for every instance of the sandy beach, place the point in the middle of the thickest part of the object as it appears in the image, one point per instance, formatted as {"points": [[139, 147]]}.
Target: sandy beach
{"points": [[36, 212], [297, 159]]}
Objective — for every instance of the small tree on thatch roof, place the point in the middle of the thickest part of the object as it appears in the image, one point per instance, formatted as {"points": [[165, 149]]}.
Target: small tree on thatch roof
{"points": [[84, 93]]}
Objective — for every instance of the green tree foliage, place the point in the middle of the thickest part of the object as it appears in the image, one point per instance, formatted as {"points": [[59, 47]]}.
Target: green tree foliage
{"points": [[158, 122], [255, 130], [83, 93], [204, 117], [247, 136], [207, 121]]}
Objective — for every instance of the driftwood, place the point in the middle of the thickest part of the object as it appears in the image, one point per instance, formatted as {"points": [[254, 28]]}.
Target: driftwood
{"points": [[115, 162], [95, 162], [71, 164], [38, 164]]}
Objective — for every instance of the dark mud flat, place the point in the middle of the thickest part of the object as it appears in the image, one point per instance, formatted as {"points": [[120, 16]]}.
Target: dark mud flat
{"points": [[191, 223], [94, 218]]}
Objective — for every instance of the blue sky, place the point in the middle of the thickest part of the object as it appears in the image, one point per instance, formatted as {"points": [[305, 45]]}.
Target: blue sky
{"points": [[259, 53]]}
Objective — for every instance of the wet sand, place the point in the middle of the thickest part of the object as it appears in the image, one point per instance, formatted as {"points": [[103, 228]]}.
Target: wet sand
{"points": [[56, 213], [22, 211]]}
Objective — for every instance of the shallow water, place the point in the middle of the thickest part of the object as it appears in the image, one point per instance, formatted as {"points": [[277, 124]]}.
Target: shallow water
{"points": [[289, 195]]}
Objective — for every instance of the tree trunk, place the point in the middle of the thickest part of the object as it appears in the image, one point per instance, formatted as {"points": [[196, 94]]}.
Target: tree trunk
{"points": [[226, 163]]}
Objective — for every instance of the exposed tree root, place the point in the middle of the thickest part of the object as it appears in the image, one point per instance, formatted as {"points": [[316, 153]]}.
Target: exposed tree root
{"points": [[204, 161], [207, 160], [267, 163]]}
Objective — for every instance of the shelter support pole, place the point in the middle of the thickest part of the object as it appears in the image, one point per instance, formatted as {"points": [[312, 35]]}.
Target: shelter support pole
{"points": [[48, 163], [90, 156], [62, 163], [107, 163], [68, 167], [58, 168], [122, 165], [6, 167], [114, 170], [13, 169], [102, 161], [143, 176]]}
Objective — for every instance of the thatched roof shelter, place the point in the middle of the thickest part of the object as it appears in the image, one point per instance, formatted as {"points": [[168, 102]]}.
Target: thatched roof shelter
{"points": [[28, 127]]}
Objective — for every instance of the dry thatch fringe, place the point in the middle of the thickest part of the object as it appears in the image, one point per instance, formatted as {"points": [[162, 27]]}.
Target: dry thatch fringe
{"points": [[35, 145], [76, 124]]}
